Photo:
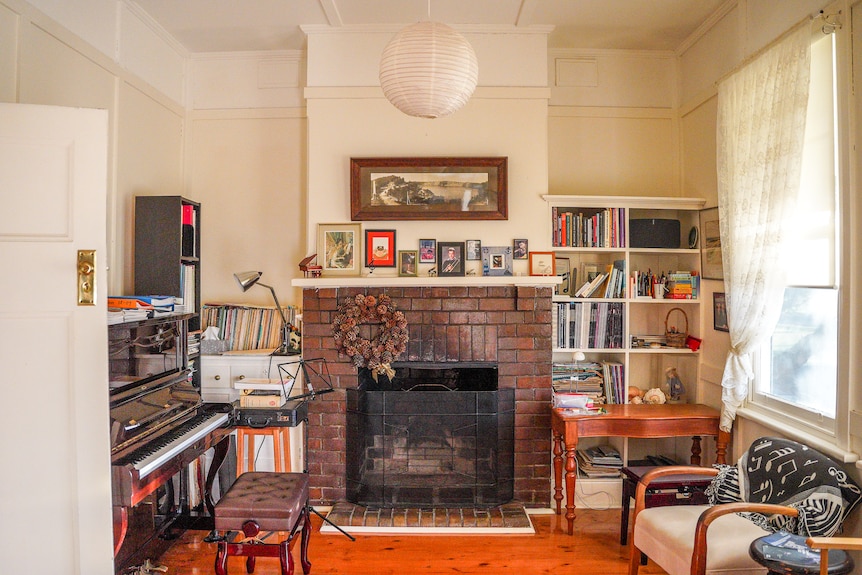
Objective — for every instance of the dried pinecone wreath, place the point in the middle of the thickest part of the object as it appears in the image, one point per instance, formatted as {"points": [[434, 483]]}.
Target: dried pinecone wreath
{"points": [[390, 342]]}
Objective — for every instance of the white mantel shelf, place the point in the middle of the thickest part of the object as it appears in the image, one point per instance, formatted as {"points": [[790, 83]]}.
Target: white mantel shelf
{"points": [[425, 281]]}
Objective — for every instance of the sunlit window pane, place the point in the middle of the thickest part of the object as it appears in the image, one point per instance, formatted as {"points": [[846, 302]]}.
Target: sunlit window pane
{"points": [[804, 350]]}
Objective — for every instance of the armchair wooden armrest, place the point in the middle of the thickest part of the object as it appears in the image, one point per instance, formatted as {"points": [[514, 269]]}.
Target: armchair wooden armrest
{"points": [[824, 544], [698, 559]]}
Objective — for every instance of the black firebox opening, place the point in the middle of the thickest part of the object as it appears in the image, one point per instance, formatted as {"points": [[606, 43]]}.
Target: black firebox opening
{"points": [[423, 376], [435, 435]]}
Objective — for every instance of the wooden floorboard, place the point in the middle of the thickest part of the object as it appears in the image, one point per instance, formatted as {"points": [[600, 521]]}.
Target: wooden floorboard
{"points": [[594, 549]]}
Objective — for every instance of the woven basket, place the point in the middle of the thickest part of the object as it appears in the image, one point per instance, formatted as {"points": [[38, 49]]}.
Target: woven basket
{"points": [[675, 338]]}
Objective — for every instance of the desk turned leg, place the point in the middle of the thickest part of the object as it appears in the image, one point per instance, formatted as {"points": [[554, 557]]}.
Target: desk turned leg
{"points": [[558, 470], [571, 475], [695, 450]]}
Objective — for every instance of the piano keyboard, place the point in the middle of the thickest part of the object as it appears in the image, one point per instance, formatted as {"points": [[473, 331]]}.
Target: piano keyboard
{"points": [[165, 447]]}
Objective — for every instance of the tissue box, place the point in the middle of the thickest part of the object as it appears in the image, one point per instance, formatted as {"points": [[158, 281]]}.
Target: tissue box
{"points": [[213, 346]]}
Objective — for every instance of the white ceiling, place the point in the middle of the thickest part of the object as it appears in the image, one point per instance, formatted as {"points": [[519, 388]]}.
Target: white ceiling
{"points": [[251, 25]]}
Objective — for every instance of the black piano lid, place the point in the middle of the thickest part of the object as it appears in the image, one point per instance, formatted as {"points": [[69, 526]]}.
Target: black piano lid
{"points": [[144, 386]]}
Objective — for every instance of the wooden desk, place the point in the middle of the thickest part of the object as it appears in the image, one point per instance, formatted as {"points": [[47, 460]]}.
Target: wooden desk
{"points": [[668, 420]]}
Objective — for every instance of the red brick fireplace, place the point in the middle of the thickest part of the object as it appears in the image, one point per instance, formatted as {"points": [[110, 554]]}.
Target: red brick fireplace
{"points": [[509, 325]]}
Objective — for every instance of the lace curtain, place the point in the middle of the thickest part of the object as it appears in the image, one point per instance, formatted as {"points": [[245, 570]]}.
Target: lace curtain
{"points": [[761, 127]]}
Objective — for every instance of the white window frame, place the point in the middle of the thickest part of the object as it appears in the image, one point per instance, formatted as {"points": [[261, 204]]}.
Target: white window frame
{"points": [[792, 420]]}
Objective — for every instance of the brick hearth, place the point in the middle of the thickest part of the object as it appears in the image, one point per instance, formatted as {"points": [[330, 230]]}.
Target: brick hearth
{"points": [[510, 325]]}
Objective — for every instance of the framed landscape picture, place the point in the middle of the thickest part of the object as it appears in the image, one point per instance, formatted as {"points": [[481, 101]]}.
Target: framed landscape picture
{"points": [[339, 249], [428, 189], [380, 248]]}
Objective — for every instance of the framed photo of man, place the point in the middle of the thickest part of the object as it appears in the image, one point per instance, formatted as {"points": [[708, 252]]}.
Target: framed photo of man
{"points": [[450, 258]]}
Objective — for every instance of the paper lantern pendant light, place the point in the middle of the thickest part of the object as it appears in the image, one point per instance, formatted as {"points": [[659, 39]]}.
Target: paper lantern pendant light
{"points": [[428, 70]]}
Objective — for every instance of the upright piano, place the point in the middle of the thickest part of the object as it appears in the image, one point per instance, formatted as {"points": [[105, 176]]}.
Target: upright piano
{"points": [[159, 427]]}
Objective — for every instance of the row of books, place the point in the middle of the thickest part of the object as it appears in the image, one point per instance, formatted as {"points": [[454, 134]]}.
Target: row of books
{"points": [[583, 228], [613, 374], [671, 285], [580, 325], [247, 327]]}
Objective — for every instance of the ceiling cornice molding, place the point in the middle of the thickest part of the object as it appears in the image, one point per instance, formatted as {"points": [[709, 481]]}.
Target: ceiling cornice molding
{"points": [[250, 55], [707, 25], [592, 52], [393, 28], [156, 28]]}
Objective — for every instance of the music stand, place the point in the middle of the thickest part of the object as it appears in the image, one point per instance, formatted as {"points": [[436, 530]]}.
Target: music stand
{"points": [[316, 381]]}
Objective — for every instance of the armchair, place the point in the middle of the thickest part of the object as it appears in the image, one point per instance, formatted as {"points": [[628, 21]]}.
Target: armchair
{"points": [[777, 484]]}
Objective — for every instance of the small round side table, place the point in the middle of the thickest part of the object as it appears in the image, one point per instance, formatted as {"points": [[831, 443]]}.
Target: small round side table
{"points": [[787, 560]]}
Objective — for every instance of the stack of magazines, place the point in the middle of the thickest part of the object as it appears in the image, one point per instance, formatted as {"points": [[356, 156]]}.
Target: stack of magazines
{"points": [[599, 461]]}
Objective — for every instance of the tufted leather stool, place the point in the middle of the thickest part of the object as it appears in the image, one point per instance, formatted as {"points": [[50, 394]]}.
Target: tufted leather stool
{"points": [[264, 501]]}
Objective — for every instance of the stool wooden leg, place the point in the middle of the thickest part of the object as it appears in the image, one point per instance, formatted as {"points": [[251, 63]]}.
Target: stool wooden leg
{"points": [[276, 449], [303, 545], [240, 451], [221, 558], [285, 557], [285, 444]]}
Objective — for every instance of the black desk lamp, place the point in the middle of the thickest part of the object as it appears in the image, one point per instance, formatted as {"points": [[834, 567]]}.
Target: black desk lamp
{"points": [[248, 279]]}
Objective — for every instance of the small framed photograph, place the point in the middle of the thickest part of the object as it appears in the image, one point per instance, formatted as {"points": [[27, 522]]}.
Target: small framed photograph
{"points": [[380, 248], [719, 312], [339, 249], [519, 249], [543, 264], [407, 260], [497, 261], [568, 275], [427, 251], [450, 256], [474, 250]]}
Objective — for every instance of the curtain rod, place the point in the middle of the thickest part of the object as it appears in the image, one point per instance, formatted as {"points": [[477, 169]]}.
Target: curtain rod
{"points": [[828, 27]]}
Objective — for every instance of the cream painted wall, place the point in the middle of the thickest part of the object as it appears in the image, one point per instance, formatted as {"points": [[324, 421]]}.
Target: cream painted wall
{"points": [[149, 162], [515, 128], [615, 152], [248, 170], [52, 66]]}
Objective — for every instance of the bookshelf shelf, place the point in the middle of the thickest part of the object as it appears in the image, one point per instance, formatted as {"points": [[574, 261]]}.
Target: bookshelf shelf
{"points": [[642, 317]]}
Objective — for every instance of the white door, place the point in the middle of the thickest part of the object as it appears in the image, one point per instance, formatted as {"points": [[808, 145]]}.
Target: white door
{"points": [[55, 488]]}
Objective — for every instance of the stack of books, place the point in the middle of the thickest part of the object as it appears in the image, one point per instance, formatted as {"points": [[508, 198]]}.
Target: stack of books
{"points": [[683, 285], [146, 305], [599, 461], [263, 392]]}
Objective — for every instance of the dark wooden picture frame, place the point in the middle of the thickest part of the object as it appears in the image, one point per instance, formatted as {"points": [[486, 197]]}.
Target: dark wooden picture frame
{"points": [[380, 248], [719, 312], [429, 189], [474, 250], [450, 264]]}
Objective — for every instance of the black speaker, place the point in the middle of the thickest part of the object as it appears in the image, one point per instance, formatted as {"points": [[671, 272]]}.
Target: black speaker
{"points": [[654, 233]]}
